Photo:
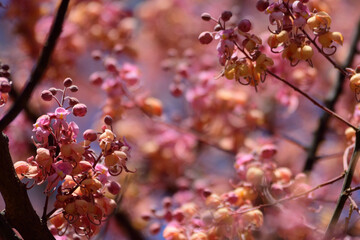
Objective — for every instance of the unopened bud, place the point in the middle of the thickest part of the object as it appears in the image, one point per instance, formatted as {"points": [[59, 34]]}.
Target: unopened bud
{"points": [[205, 38], [79, 110], [226, 15], [46, 95], [68, 82], [90, 135], [206, 16]]}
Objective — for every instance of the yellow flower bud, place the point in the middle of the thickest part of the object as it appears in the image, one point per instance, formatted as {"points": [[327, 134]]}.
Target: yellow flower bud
{"points": [[305, 52], [337, 37], [282, 36], [350, 133], [229, 72], [254, 217], [254, 175], [273, 41], [153, 106], [355, 81], [319, 20]]}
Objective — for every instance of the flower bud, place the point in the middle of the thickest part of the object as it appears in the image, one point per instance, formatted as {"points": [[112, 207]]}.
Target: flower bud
{"points": [[96, 54], [254, 175], [355, 81], [73, 101], [254, 217], [114, 187], [244, 25], [262, 5], [282, 36], [90, 135], [350, 133], [96, 79], [176, 89], [74, 88], [206, 16], [110, 64], [53, 91], [79, 110], [155, 228], [153, 106], [226, 15], [273, 41], [68, 82], [205, 38], [178, 215], [217, 27], [5, 85], [5, 67], [305, 52], [108, 120], [46, 95]]}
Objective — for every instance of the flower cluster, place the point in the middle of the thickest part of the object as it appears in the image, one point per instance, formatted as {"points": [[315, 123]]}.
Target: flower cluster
{"points": [[238, 50], [196, 212], [291, 18], [72, 169], [115, 81]]}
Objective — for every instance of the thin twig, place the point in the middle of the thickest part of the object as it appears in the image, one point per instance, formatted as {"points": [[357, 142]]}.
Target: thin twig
{"points": [[40, 67], [347, 219], [347, 182], [330, 102], [355, 206], [331, 181], [350, 190], [312, 100]]}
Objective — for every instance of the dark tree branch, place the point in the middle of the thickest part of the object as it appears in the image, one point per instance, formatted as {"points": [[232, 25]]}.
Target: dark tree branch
{"points": [[18, 209], [345, 188], [125, 223], [30, 113], [19, 212], [6, 232], [330, 103], [40, 67]]}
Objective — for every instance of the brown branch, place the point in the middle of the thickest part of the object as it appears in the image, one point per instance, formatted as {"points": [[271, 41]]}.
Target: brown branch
{"points": [[332, 113], [285, 199], [330, 102], [40, 67], [18, 209], [355, 206]]}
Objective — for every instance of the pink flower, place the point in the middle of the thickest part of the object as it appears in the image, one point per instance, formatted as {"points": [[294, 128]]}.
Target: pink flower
{"points": [[61, 170], [130, 73], [61, 113]]}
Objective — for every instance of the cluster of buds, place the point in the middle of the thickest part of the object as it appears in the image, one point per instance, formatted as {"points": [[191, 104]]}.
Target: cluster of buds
{"points": [[118, 81], [5, 84], [290, 38], [238, 50], [114, 81], [84, 199], [180, 65]]}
